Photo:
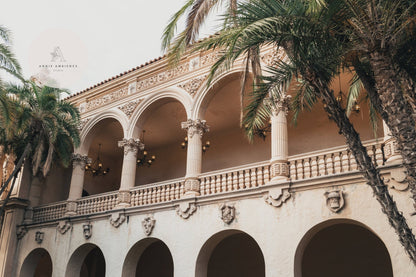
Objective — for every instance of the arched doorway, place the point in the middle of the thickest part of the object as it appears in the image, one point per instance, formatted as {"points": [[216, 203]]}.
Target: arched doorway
{"points": [[87, 261], [230, 253], [148, 258], [37, 264], [342, 249]]}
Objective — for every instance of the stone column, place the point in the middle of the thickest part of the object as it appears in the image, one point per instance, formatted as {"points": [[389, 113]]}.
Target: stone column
{"points": [[391, 154], [77, 182], [279, 171], [196, 129], [128, 174]]}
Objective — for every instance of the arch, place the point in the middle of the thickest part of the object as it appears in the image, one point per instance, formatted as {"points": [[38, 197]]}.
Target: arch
{"points": [[341, 232], [139, 115], [204, 94], [37, 263], [76, 265], [230, 253], [86, 136], [148, 257]]}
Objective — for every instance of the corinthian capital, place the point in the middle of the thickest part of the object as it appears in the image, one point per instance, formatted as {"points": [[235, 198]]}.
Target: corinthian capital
{"points": [[80, 160], [278, 104], [131, 144], [195, 127]]}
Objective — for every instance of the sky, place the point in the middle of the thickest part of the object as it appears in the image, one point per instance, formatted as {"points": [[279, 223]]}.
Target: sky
{"points": [[76, 44]]}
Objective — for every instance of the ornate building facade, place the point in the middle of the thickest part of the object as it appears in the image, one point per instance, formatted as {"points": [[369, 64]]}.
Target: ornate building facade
{"points": [[165, 183]]}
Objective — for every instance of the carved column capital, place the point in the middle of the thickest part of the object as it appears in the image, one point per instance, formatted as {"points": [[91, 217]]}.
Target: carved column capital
{"points": [[195, 127], [131, 145], [278, 104], [79, 160]]}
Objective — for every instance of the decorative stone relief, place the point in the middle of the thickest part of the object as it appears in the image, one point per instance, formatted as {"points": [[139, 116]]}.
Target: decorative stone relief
{"points": [[277, 196], [82, 107], [80, 160], [195, 127], [39, 236], [279, 104], [63, 226], [194, 63], [186, 209], [390, 149], [279, 169], [227, 213], [124, 196], [132, 87], [21, 232], [193, 85], [82, 123], [272, 57], [148, 224], [209, 58], [192, 184], [129, 108], [162, 77], [397, 179], [106, 99], [71, 207], [87, 230], [131, 145], [116, 219], [335, 200]]}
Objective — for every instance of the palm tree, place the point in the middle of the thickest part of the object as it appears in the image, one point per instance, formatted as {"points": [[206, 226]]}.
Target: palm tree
{"points": [[8, 62], [315, 47], [43, 129]]}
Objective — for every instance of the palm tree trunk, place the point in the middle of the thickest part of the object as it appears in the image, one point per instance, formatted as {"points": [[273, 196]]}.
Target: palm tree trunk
{"points": [[399, 119], [366, 166]]}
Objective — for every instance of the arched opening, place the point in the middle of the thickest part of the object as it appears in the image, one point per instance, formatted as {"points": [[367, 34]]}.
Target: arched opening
{"points": [[342, 249], [229, 144], [230, 253], [161, 123], [37, 264], [102, 142], [148, 258], [87, 261]]}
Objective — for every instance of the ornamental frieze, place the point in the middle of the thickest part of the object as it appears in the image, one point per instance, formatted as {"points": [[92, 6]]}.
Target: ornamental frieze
{"points": [[271, 58], [106, 99], [129, 108]]}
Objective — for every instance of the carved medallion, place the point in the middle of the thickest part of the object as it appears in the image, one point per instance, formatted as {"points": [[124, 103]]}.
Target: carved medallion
{"points": [[116, 219], [148, 224], [276, 197], [39, 236], [186, 209], [227, 213], [335, 200], [63, 226], [87, 230]]}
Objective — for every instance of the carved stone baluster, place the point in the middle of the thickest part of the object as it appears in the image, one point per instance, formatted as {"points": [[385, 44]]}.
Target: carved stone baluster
{"points": [[306, 169], [371, 153], [247, 178], [217, 183], [157, 192], [321, 165], [345, 164], [153, 195], [266, 174], [203, 186], [292, 170], [337, 162], [182, 188], [230, 181], [253, 178], [299, 169], [379, 156], [235, 180], [329, 164], [314, 167], [224, 182], [260, 176], [353, 163], [241, 179]]}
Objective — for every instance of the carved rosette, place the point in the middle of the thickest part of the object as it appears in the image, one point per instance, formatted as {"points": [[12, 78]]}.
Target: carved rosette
{"points": [[87, 230], [186, 209], [63, 226], [79, 160], [148, 224], [21, 232], [193, 85], [131, 145], [129, 108], [39, 236], [278, 104], [279, 169], [276, 197], [227, 213], [116, 219], [195, 127], [335, 200]]}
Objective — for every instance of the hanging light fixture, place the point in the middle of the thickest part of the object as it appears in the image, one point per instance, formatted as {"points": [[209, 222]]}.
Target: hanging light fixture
{"points": [[205, 146], [339, 97], [144, 158], [96, 167], [355, 107]]}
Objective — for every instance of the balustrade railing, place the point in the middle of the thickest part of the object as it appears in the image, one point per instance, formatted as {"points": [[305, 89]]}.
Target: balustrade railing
{"points": [[314, 164]]}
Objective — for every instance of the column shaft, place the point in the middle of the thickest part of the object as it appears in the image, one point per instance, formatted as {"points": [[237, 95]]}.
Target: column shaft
{"points": [[77, 182]]}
